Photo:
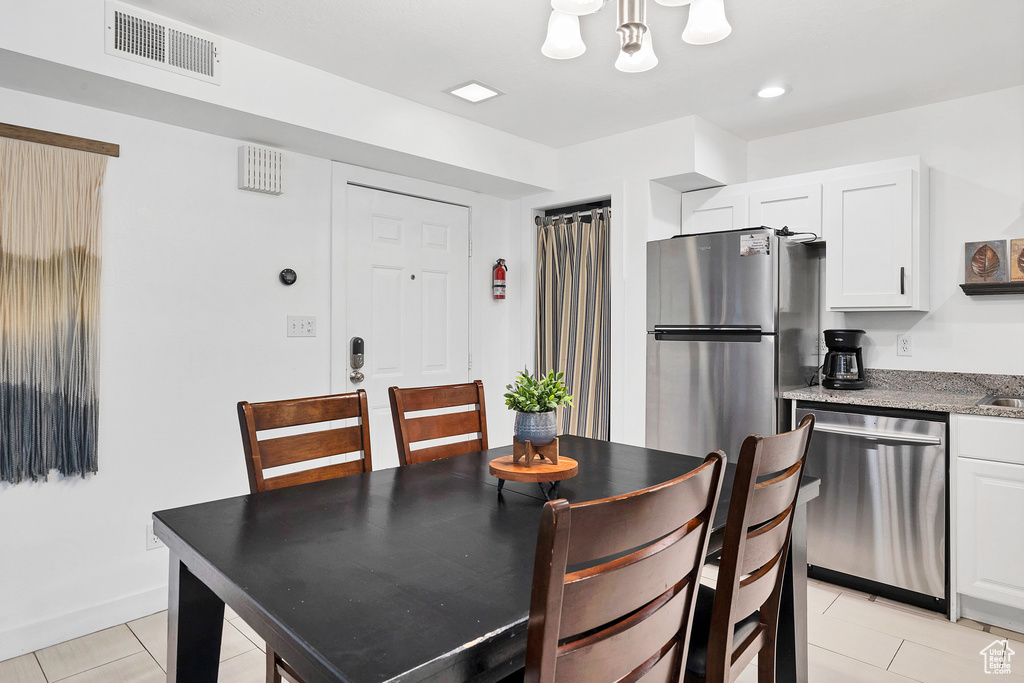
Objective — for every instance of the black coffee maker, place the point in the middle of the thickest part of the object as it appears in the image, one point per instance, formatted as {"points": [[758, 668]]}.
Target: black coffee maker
{"points": [[844, 364]]}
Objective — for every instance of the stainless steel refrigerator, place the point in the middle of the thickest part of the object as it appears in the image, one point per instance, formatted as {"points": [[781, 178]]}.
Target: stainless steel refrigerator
{"points": [[732, 320]]}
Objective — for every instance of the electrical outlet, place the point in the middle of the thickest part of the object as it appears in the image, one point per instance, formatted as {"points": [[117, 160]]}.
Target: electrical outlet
{"points": [[302, 326], [903, 345], [822, 347], [152, 542]]}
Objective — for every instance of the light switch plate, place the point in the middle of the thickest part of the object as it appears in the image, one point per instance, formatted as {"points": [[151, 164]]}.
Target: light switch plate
{"points": [[302, 326]]}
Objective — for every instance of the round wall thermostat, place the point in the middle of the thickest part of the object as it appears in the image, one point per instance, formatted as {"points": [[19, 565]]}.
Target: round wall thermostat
{"points": [[288, 276]]}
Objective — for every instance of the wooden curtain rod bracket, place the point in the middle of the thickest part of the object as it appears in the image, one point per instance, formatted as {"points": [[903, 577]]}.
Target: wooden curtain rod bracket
{"points": [[59, 140]]}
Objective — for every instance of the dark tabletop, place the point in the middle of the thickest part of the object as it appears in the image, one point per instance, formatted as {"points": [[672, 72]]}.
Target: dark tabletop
{"points": [[399, 574]]}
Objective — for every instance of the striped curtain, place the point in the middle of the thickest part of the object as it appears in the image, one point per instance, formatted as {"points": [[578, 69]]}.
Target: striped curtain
{"points": [[573, 317], [49, 307]]}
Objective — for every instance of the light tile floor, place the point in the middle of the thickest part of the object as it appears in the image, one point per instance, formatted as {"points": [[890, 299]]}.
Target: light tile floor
{"points": [[854, 638]]}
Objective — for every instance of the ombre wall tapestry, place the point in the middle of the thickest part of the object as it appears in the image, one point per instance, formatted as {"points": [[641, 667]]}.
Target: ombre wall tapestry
{"points": [[49, 309]]}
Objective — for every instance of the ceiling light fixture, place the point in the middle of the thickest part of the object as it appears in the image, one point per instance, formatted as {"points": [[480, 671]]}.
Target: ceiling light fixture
{"points": [[771, 91], [563, 40], [577, 7], [706, 24], [643, 59], [475, 92]]}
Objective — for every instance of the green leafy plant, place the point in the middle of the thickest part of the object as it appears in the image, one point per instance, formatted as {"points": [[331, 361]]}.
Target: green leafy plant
{"points": [[532, 395]]}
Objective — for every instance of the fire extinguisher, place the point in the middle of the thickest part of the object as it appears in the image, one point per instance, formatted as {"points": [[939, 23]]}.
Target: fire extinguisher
{"points": [[498, 278]]}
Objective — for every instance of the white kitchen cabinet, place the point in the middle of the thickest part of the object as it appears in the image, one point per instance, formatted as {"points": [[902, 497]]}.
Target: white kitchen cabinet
{"points": [[990, 509], [877, 256], [798, 207], [714, 210]]}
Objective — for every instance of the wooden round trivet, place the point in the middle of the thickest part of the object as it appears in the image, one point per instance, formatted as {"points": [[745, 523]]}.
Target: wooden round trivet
{"points": [[540, 470]]}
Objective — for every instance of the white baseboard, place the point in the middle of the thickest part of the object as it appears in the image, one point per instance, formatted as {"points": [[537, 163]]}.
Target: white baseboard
{"points": [[988, 612], [40, 634]]}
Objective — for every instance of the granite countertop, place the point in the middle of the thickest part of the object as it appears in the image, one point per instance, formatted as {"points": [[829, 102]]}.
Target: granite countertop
{"points": [[943, 392]]}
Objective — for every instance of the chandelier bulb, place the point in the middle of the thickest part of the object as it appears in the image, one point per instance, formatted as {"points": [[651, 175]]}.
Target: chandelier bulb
{"points": [[578, 7], [643, 59], [563, 40], [707, 23]]}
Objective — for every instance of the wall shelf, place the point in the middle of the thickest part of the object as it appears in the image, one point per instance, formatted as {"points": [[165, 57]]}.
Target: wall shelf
{"points": [[993, 288]]}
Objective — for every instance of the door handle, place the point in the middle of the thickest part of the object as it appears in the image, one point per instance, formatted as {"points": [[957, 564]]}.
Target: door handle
{"points": [[356, 359], [903, 280], [884, 436]]}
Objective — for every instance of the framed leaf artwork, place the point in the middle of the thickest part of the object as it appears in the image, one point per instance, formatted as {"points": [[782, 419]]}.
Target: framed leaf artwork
{"points": [[986, 261], [1017, 260]]}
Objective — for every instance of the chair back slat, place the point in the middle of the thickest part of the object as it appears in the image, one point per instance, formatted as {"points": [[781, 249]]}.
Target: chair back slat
{"points": [[755, 548], [412, 430], [342, 469], [612, 526], [286, 450], [755, 589], [661, 668], [264, 453], [765, 542], [597, 596], [622, 618], [446, 396], [440, 426], [614, 652], [771, 497], [303, 411], [782, 451], [445, 451]]}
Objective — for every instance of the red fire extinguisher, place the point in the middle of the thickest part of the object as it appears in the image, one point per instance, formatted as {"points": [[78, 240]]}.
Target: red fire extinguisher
{"points": [[498, 273]]}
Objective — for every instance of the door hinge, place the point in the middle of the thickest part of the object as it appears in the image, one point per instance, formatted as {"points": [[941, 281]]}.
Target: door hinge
{"points": [[470, 247], [470, 361]]}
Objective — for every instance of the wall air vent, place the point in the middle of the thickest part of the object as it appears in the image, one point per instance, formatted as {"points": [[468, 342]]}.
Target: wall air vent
{"points": [[151, 39], [259, 169]]}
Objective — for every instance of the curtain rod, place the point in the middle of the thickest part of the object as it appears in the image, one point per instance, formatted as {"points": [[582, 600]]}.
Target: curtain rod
{"points": [[59, 140], [585, 216]]}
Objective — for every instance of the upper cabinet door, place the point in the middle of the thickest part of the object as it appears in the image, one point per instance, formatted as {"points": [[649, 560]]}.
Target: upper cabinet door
{"points": [[797, 207], [714, 210], [877, 244]]}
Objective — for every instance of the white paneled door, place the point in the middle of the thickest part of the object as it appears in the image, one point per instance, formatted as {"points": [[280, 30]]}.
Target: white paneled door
{"points": [[407, 287]]}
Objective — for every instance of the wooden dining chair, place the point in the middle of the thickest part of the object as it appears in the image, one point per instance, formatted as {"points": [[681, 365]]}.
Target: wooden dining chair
{"points": [[615, 580], [412, 430], [739, 619], [261, 454]]}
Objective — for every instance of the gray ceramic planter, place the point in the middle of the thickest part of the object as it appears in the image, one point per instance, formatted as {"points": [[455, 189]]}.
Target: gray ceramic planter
{"points": [[537, 428]]}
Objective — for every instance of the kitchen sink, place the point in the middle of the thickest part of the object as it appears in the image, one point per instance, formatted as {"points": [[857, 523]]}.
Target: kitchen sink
{"points": [[1002, 401]]}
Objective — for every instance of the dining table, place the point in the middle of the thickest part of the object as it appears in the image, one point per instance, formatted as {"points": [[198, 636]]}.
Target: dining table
{"points": [[415, 573]]}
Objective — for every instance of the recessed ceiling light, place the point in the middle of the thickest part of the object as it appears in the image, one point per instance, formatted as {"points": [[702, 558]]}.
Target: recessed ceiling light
{"points": [[475, 92], [771, 91]]}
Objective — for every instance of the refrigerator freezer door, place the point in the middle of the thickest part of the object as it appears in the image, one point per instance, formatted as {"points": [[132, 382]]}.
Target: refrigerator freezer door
{"points": [[706, 395], [725, 278]]}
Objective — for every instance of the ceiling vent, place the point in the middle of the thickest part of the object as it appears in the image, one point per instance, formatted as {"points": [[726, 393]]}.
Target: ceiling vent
{"points": [[151, 39], [259, 169]]}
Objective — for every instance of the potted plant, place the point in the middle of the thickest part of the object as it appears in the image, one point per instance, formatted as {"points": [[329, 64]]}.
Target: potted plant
{"points": [[534, 401]]}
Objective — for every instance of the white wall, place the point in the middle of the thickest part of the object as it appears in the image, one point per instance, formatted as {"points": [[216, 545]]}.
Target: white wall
{"points": [[56, 48], [192, 320], [975, 148]]}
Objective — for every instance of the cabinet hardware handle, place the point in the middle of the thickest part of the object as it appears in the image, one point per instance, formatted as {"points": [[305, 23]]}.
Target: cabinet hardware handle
{"points": [[903, 280]]}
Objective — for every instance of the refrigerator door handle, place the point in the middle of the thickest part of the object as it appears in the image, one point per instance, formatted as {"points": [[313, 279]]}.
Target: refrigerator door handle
{"points": [[737, 333], [903, 437]]}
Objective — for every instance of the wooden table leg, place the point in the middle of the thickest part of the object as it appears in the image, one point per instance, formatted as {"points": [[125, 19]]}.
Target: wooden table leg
{"points": [[791, 652], [195, 622]]}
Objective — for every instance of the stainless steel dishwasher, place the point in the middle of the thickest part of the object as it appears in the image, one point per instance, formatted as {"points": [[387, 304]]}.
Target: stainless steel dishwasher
{"points": [[880, 523]]}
